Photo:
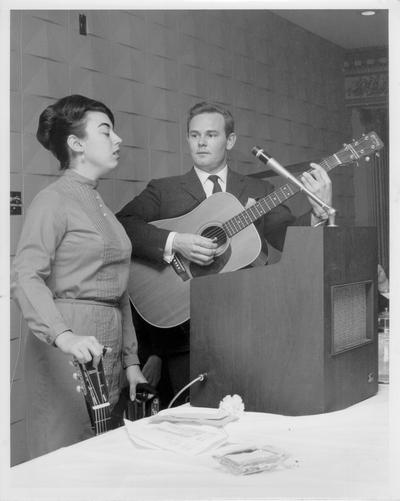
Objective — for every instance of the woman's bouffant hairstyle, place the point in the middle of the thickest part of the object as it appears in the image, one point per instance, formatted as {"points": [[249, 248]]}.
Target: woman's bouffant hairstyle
{"points": [[206, 107], [63, 118]]}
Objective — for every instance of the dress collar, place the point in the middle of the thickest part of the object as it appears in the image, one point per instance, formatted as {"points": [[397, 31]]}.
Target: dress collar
{"points": [[75, 176]]}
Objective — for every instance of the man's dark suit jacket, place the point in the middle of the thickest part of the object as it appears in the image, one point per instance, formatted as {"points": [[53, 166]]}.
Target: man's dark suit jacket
{"points": [[174, 196]]}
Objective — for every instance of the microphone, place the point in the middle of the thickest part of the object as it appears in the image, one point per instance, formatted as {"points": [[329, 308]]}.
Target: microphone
{"points": [[279, 169]]}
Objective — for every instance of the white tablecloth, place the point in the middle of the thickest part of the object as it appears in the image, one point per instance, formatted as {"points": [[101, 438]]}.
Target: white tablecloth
{"points": [[343, 454]]}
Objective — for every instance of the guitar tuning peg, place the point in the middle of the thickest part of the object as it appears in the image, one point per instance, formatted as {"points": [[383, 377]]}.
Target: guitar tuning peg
{"points": [[72, 363], [76, 376], [367, 159], [377, 155], [79, 389]]}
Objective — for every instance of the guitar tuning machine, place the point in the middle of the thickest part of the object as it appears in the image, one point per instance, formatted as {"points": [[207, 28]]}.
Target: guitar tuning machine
{"points": [[80, 389], [77, 376]]}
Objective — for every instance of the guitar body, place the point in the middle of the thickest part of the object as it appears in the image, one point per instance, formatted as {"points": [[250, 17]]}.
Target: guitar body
{"points": [[159, 294]]}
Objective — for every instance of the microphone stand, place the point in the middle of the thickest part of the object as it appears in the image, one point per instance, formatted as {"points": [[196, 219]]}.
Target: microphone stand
{"points": [[279, 169]]}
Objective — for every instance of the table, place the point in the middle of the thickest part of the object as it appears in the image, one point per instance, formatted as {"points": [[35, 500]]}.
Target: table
{"points": [[343, 454]]}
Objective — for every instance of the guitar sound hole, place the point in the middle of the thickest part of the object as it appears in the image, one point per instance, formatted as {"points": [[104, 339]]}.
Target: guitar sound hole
{"points": [[215, 232]]}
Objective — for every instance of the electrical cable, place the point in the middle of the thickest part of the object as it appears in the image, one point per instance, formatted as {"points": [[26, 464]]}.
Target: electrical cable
{"points": [[200, 377]]}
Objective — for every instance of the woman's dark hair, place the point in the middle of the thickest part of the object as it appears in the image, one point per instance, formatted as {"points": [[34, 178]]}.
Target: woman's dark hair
{"points": [[65, 117], [206, 107]]}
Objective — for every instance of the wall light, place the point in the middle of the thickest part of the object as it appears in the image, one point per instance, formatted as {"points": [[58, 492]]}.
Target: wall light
{"points": [[368, 13]]}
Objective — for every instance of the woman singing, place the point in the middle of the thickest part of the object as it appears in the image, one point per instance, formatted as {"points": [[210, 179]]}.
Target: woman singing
{"points": [[70, 277]]}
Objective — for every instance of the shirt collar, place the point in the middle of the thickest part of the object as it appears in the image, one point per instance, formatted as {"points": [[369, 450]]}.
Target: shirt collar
{"points": [[75, 176], [203, 175]]}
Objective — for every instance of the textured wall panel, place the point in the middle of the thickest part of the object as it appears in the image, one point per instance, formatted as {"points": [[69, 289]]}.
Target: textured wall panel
{"points": [[161, 40], [59, 17], [162, 104], [162, 72], [244, 69], [193, 81], [127, 28], [133, 164], [15, 152], [15, 112], [162, 162], [91, 53], [132, 129], [36, 159], [91, 84], [244, 96], [193, 52], [127, 96], [44, 39], [15, 70], [220, 61], [127, 62], [220, 89], [32, 108], [125, 191], [44, 77], [164, 136], [193, 23], [218, 29]]}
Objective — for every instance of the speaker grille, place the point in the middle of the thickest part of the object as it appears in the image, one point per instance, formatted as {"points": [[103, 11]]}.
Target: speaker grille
{"points": [[351, 309]]}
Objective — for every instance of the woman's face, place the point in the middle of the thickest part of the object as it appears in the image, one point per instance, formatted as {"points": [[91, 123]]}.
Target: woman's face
{"points": [[101, 143]]}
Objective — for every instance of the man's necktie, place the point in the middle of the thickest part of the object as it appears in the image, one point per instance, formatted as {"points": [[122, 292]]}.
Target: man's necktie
{"points": [[217, 186]]}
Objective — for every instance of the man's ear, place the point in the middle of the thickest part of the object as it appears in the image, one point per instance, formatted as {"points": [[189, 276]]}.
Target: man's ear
{"points": [[75, 143], [231, 140]]}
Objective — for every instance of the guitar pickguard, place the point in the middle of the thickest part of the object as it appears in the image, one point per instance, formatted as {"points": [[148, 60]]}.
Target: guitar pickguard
{"points": [[215, 267]]}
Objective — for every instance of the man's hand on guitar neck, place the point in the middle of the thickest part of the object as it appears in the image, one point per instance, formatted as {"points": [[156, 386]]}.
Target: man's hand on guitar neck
{"points": [[319, 183], [195, 248]]}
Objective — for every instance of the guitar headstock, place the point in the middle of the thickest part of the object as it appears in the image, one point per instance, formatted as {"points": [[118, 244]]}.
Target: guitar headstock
{"points": [[93, 386], [366, 145]]}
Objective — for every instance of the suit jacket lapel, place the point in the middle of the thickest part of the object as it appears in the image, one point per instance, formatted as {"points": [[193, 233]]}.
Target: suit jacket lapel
{"points": [[191, 183], [235, 184]]}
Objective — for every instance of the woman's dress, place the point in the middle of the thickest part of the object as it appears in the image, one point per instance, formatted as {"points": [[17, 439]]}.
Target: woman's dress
{"points": [[70, 273]]}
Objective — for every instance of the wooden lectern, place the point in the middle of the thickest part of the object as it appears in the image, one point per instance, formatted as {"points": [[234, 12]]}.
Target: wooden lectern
{"points": [[296, 337]]}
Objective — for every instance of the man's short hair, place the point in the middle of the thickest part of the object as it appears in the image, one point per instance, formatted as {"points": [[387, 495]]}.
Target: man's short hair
{"points": [[207, 107]]}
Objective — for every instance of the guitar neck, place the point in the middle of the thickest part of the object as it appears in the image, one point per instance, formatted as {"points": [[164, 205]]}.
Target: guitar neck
{"points": [[101, 418], [96, 395], [269, 202]]}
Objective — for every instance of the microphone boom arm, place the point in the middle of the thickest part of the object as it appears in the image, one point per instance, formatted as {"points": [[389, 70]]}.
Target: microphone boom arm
{"points": [[279, 169]]}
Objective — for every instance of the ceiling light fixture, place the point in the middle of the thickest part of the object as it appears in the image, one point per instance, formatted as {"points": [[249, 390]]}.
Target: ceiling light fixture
{"points": [[368, 13]]}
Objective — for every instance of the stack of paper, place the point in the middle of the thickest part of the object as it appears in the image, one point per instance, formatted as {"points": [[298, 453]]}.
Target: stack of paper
{"points": [[182, 438], [190, 415]]}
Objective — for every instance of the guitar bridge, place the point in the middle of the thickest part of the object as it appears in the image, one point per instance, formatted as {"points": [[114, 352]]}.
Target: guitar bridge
{"points": [[179, 268]]}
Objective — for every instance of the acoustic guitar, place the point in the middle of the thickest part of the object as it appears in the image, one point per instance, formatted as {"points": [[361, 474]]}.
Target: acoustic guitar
{"points": [[161, 292]]}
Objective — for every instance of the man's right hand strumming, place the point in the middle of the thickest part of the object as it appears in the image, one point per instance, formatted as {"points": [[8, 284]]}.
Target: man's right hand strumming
{"points": [[195, 248]]}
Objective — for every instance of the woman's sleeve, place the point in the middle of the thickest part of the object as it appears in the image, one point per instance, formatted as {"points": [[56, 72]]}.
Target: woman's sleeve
{"points": [[43, 230], [129, 341]]}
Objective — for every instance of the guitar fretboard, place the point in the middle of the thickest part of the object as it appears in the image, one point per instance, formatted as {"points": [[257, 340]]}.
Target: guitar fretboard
{"points": [[269, 202]]}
